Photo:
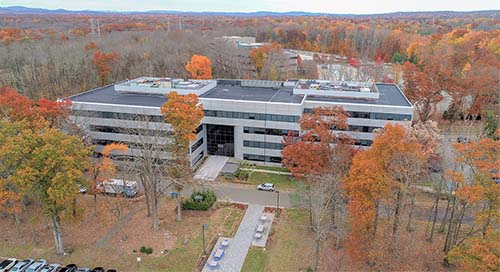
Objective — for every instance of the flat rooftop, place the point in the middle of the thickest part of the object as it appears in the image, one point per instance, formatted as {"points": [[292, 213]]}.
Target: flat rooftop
{"points": [[108, 95], [232, 90], [390, 95]]}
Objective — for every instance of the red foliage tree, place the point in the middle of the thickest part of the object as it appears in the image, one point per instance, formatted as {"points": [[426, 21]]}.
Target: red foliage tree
{"points": [[103, 62]]}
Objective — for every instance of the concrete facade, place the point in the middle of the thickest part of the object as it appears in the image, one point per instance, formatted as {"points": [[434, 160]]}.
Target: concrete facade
{"points": [[260, 115]]}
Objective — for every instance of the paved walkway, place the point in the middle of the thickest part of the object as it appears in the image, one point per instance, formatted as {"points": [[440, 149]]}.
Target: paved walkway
{"points": [[211, 168], [235, 254]]}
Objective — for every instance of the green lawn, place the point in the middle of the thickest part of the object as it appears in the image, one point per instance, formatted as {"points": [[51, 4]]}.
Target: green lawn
{"points": [[289, 237], [272, 168], [280, 181], [254, 261]]}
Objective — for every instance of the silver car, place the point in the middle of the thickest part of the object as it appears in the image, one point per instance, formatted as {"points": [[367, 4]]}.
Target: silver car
{"points": [[50, 268], [266, 187], [36, 266], [22, 265]]}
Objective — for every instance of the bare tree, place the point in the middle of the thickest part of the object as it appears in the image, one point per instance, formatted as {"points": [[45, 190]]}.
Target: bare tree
{"points": [[148, 140]]}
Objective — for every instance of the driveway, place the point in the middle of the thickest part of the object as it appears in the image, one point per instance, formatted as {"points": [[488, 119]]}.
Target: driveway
{"points": [[245, 193]]}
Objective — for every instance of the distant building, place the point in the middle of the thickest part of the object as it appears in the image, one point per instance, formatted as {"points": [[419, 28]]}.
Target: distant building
{"points": [[244, 119], [287, 61]]}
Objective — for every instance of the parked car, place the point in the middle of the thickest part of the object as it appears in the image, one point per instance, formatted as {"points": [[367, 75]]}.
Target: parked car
{"points": [[463, 139], [98, 269], [5, 265], [22, 265], [36, 266], [266, 187], [83, 269], [50, 268], [69, 268]]}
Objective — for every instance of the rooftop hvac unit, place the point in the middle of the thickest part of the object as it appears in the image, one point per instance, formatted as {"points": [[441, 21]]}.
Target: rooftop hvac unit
{"points": [[261, 83]]}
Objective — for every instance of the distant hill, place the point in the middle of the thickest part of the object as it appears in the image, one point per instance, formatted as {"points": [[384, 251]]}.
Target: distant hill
{"points": [[20, 10]]}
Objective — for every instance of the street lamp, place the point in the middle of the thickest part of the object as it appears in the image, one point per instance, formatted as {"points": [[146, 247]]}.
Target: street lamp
{"points": [[138, 263], [277, 204], [203, 228]]}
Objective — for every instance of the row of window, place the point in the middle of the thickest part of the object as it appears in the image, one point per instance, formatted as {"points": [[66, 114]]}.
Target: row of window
{"points": [[196, 145], [252, 116], [198, 129], [131, 144], [363, 142], [361, 128], [260, 158], [119, 115], [130, 131], [269, 131], [266, 145], [373, 115]]}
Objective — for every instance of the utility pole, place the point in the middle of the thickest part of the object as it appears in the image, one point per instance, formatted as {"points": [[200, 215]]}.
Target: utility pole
{"points": [[98, 29]]}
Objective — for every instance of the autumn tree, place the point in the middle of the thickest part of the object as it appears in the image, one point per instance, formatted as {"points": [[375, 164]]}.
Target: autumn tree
{"points": [[199, 67], [103, 62], [389, 168], [423, 87], [310, 152], [261, 57], [103, 169], [184, 113], [475, 188], [150, 164], [51, 173]]}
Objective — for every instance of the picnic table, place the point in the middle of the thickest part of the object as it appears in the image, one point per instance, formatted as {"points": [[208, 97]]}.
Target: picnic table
{"points": [[212, 264], [218, 254], [260, 228]]}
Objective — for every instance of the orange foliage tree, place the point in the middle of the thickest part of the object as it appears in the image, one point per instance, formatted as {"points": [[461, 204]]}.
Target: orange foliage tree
{"points": [[259, 56], [199, 67], [103, 62], [184, 113], [477, 248], [392, 164]]}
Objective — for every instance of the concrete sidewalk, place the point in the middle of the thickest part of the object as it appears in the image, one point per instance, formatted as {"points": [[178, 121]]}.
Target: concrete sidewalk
{"points": [[211, 168], [235, 254]]}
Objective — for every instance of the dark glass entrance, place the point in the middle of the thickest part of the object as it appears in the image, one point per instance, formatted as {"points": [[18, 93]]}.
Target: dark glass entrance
{"points": [[220, 140]]}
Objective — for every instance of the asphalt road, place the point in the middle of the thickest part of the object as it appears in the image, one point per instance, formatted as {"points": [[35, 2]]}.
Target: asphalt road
{"points": [[245, 193]]}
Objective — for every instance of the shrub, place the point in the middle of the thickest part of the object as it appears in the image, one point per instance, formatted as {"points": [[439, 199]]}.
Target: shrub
{"points": [[146, 250], [200, 200], [243, 172]]}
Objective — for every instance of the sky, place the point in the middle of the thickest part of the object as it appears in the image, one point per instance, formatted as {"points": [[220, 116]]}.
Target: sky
{"points": [[322, 6]]}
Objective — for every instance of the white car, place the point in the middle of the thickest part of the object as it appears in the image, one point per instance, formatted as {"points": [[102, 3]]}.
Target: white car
{"points": [[5, 265], [266, 187], [22, 265], [36, 266]]}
